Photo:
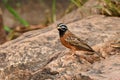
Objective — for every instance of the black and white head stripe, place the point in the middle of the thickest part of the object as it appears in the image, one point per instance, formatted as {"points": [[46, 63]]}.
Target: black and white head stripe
{"points": [[62, 26]]}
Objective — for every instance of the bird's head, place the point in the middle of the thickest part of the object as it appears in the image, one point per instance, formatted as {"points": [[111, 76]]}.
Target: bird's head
{"points": [[62, 28]]}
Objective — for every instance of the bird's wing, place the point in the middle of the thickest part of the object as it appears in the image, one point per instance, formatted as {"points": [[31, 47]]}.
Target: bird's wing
{"points": [[75, 41]]}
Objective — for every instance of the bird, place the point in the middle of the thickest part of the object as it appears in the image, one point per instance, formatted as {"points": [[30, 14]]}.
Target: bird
{"points": [[71, 41]]}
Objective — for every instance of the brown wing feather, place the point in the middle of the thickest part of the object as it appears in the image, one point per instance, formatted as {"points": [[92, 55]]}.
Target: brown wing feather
{"points": [[78, 43]]}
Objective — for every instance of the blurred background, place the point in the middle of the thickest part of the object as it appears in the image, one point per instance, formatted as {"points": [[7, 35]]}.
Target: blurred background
{"points": [[19, 16]]}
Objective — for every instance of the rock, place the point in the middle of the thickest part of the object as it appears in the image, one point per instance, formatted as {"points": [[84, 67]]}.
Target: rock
{"points": [[39, 55]]}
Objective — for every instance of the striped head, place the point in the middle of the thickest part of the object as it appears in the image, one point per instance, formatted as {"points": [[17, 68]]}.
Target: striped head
{"points": [[62, 28]]}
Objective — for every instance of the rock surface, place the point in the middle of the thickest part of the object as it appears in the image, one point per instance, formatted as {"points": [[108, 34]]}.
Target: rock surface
{"points": [[39, 55]]}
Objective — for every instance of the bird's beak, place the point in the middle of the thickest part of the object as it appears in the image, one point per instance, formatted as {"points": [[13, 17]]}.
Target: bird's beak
{"points": [[58, 28]]}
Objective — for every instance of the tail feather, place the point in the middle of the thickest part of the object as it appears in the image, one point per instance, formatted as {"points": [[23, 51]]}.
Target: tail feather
{"points": [[99, 54]]}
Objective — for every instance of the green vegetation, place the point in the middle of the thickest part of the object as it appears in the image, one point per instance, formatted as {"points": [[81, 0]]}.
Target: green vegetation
{"points": [[15, 14], [111, 8], [6, 28], [78, 3], [53, 10]]}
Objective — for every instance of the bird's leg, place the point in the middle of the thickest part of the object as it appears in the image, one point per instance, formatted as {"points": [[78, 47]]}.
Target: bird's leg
{"points": [[73, 52]]}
